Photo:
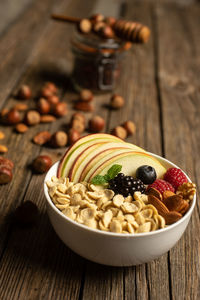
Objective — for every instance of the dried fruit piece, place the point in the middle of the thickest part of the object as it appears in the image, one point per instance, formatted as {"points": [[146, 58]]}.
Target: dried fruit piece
{"points": [[24, 92], [176, 177], [96, 124], [32, 117], [21, 128], [42, 137], [42, 164], [3, 149], [59, 139], [26, 213], [5, 174]]}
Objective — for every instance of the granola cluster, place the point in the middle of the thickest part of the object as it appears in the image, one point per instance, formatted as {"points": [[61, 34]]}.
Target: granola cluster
{"points": [[99, 208]]}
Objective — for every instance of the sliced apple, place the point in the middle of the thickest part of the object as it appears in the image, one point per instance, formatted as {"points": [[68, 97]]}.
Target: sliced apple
{"points": [[68, 159], [129, 161], [88, 158]]}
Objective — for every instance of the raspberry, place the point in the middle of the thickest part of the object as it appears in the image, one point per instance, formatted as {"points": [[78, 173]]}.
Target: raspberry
{"points": [[175, 176], [161, 185]]}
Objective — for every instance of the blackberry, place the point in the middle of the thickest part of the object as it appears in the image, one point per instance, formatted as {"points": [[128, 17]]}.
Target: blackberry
{"points": [[126, 185]]}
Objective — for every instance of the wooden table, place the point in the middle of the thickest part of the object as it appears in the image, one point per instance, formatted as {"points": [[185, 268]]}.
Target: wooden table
{"points": [[161, 85]]}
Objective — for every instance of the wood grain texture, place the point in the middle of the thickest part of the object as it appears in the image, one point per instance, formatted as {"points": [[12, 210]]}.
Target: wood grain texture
{"points": [[180, 108], [160, 82]]}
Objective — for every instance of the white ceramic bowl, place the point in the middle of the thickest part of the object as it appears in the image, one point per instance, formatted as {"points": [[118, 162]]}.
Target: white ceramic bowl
{"points": [[111, 248]]}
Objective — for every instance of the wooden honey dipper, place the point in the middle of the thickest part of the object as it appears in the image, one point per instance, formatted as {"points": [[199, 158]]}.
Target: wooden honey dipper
{"points": [[126, 30]]}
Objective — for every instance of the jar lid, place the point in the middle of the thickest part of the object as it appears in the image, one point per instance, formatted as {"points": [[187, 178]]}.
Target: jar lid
{"points": [[91, 43]]}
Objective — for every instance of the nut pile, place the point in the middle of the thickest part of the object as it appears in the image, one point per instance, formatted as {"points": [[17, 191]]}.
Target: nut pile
{"points": [[99, 208]]}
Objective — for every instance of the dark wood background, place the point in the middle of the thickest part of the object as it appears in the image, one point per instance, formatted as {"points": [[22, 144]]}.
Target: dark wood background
{"points": [[161, 85]]}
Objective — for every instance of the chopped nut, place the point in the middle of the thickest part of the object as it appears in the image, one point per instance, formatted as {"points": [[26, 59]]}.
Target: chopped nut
{"points": [[129, 207], [118, 200], [115, 226]]}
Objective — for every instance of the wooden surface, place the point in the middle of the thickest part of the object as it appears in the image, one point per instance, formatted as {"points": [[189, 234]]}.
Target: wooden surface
{"points": [[161, 86]]}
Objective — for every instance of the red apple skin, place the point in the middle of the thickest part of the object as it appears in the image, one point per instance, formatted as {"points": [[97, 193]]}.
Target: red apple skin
{"points": [[59, 171]]}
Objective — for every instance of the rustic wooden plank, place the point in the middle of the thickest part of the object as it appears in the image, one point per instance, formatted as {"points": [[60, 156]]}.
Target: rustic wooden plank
{"points": [[178, 68], [53, 272]]}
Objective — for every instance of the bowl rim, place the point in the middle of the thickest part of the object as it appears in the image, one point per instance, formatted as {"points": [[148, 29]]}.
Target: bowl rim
{"points": [[121, 235]]}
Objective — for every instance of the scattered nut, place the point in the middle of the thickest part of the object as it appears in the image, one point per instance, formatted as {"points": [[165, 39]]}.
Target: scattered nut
{"points": [[24, 92], [46, 92], [21, 128], [117, 101], [42, 137], [43, 106], [42, 164], [86, 95], [53, 99], [21, 106], [13, 117], [47, 119], [78, 116], [98, 26], [77, 125], [5, 174], [85, 26], [4, 112], [26, 213], [51, 86], [97, 18], [32, 117], [59, 139], [3, 149], [6, 162], [60, 109], [120, 132], [84, 106], [73, 136], [2, 135], [110, 21], [96, 124], [130, 127], [106, 32]]}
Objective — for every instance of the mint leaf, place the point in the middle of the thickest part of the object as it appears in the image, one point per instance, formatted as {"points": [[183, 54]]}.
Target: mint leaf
{"points": [[98, 180], [113, 171], [106, 177]]}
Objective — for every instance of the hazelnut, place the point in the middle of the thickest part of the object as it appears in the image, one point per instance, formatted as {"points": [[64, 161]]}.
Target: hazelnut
{"points": [[24, 92], [59, 139], [86, 95], [110, 21], [85, 26], [84, 106], [26, 213], [96, 124], [116, 101], [51, 86], [78, 125], [21, 128], [43, 106], [73, 136], [78, 116], [6, 162], [97, 18], [106, 32], [13, 117], [120, 132], [46, 92], [53, 99], [60, 109], [42, 137], [130, 127], [32, 117], [42, 164], [98, 26], [5, 174]]}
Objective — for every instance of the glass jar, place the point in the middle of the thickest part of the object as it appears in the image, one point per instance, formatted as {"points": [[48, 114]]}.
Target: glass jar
{"points": [[97, 62]]}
